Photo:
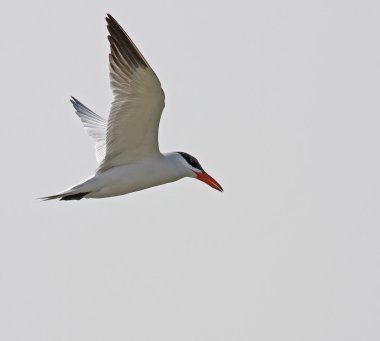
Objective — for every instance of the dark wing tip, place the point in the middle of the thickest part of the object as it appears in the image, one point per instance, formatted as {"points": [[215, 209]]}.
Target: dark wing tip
{"points": [[109, 17], [111, 21], [119, 38]]}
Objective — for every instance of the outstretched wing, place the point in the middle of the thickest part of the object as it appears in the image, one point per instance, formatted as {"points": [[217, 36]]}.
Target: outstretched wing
{"points": [[94, 125], [132, 128]]}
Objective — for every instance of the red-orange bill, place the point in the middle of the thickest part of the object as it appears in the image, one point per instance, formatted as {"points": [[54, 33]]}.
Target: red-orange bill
{"points": [[209, 180]]}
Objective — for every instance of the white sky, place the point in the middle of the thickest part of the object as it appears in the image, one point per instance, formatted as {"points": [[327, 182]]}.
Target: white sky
{"points": [[279, 101]]}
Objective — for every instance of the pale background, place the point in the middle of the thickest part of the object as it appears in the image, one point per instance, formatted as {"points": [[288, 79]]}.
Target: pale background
{"points": [[279, 100]]}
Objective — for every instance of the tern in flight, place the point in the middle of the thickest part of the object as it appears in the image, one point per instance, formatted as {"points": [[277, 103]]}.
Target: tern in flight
{"points": [[127, 143]]}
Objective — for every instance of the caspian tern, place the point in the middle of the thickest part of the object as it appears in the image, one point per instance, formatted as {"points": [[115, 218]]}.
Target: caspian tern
{"points": [[127, 143]]}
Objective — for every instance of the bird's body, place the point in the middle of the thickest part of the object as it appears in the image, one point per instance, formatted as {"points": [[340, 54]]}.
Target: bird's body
{"points": [[119, 180], [127, 143]]}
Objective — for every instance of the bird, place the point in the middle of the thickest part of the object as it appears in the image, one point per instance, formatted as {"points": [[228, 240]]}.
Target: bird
{"points": [[126, 144]]}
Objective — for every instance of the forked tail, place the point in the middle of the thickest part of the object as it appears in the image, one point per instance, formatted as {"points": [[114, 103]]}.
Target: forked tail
{"points": [[66, 196], [77, 192]]}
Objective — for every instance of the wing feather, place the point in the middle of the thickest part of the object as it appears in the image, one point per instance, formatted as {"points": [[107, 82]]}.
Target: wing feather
{"points": [[94, 125], [132, 128]]}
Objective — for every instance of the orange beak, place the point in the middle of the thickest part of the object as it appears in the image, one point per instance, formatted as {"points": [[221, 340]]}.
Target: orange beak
{"points": [[209, 180]]}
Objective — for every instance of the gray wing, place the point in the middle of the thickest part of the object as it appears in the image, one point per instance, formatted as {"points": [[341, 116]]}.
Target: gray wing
{"points": [[132, 128], [94, 125]]}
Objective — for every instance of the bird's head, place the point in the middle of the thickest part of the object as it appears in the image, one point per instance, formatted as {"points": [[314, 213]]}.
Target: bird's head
{"points": [[196, 171]]}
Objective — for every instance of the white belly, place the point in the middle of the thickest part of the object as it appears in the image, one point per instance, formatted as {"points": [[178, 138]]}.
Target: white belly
{"points": [[131, 178]]}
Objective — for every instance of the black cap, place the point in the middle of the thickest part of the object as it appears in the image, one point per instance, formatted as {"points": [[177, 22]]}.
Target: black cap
{"points": [[192, 161]]}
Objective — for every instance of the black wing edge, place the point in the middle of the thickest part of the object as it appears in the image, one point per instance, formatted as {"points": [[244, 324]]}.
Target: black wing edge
{"points": [[120, 42]]}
